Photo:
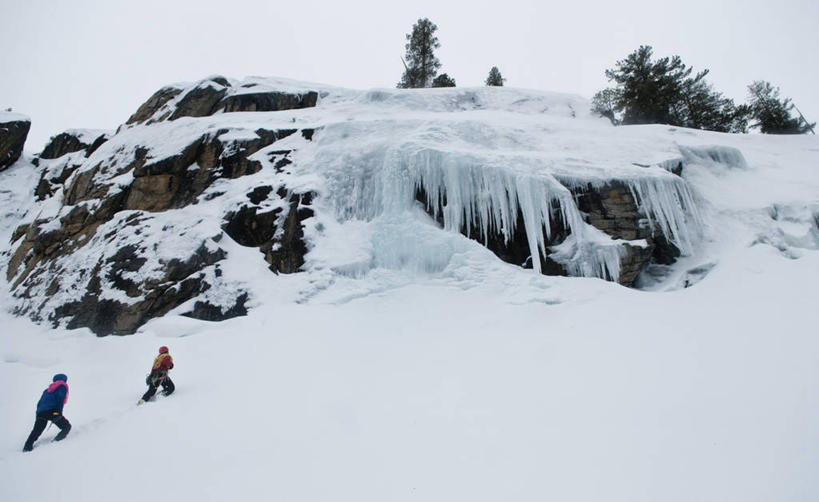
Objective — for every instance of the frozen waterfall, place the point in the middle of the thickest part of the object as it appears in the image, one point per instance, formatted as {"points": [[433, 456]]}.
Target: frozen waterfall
{"points": [[489, 194]]}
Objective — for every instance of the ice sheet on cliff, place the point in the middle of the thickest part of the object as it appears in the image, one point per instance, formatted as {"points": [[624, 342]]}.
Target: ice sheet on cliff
{"points": [[489, 174]]}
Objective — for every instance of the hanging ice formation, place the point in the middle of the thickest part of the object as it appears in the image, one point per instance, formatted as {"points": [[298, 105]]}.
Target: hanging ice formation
{"points": [[484, 197]]}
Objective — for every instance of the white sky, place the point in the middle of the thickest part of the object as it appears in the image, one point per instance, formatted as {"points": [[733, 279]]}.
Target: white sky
{"points": [[92, 63]]}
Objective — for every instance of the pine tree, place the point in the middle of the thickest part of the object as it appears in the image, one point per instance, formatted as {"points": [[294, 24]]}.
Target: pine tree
{"points": [[443, 80], [665, 92], [603, 104], [495, 78], [701, 107], [420, 62], [773, 115], [648, 89]]}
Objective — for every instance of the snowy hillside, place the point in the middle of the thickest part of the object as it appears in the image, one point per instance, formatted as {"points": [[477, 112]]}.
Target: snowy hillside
{"points": [[385, 333]]}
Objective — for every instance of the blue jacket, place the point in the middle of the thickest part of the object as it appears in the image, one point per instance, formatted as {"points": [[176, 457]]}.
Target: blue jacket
{"points": [[55, 396]]}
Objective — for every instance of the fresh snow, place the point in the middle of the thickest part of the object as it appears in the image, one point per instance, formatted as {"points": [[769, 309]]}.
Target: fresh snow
{"points": [[6, 116], [88, 136], [408, 362]]}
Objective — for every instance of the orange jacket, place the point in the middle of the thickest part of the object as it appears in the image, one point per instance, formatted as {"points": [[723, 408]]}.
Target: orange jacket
{"points": [[163, 362]]}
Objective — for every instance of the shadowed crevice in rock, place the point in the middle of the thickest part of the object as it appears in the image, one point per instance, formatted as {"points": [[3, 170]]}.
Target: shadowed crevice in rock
{"points": [[251, 228], [516, 250], [70, 142], [268, 102], [286, 253], [278, 232], [206, 311], [259, 194]]}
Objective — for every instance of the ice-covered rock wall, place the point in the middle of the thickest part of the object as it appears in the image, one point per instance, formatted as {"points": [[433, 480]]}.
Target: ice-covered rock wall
{"points": [[513, 197], [125, 226]]}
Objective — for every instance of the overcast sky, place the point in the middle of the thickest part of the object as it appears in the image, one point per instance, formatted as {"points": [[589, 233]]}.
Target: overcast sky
{"points": [[90, 64]]}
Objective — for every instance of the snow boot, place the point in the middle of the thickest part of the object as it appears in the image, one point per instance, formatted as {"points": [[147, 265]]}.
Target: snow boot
{"points": [[63, 433], [28, 447]]}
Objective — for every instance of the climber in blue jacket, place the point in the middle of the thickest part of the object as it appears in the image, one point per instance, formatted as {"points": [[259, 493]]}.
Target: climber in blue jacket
{"points": [[50, 407]]}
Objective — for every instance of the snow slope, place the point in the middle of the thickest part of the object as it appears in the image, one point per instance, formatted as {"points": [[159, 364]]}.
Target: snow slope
{"points": [[414, 365], [525, 388], [7, 116]]}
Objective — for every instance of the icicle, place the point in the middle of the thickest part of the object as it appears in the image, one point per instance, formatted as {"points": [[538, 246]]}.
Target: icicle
{"points": [[484, 197], [488, 199], [668, 203]]}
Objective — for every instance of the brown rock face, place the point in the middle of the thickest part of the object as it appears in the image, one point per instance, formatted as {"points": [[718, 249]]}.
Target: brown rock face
{"points": [[13, 136], [215, 95], [93, 211], [119, 280], [612, 209], [171, 183], [154, 103], [42, 243], [268, 102], [69, 142], [200, 102]]}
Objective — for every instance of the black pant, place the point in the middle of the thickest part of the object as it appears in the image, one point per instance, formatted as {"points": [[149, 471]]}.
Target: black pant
{"points": [[40, 425], [154, 381]]}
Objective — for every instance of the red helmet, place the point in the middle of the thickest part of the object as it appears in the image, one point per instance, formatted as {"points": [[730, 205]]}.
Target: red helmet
{"points": [[163, 350]]}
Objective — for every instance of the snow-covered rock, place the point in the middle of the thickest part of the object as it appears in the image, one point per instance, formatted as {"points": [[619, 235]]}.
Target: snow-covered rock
{"points": [[14, 129], [217, 94], [74, 140], [321, 180]]}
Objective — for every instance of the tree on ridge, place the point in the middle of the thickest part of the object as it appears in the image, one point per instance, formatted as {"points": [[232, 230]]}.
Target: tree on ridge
{"points": [[495, 79], [420, 63]]}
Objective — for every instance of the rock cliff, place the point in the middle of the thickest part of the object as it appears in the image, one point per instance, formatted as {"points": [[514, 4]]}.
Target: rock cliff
{"points": [[133, 224]]}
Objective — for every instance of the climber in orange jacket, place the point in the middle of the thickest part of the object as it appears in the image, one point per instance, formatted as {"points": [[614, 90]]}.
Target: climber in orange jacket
{"points": [[159, 376]]}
